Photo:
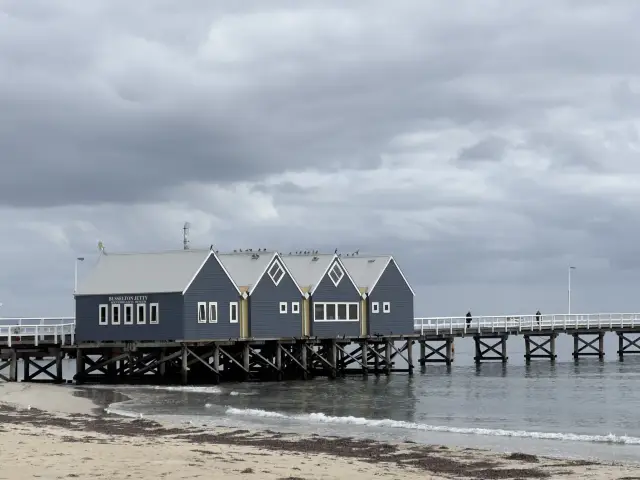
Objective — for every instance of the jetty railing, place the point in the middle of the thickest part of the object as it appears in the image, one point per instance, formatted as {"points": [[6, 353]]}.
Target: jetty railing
{"points": [[37, 329], [526, 323]]}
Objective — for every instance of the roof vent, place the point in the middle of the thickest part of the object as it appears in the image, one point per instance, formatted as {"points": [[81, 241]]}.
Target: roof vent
{"points": [[371, 260], [255, 256], [315, 259]]}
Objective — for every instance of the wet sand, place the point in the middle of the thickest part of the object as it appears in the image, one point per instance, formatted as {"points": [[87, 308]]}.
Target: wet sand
{"points": [[47, 432]]}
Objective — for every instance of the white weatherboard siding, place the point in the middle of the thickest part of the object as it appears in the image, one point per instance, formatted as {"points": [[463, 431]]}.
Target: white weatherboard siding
{"points": [[138, 273]]}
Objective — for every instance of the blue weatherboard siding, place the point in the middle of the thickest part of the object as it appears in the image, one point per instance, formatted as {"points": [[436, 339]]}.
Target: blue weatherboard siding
{"points": [[326, 291], [391, 288], [265, 319], [211, 285], [169, 325]]}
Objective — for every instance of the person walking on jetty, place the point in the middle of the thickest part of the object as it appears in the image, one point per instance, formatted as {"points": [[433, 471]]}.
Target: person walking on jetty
{"points": [[538, 317], [468, 318]]}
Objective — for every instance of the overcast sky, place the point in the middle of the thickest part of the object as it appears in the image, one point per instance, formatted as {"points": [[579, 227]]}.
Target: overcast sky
{"points": [[487, 145]]}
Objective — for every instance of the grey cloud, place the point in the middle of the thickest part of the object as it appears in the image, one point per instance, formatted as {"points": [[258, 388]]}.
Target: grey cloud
{"points": [[490, 149], [100, 128]]}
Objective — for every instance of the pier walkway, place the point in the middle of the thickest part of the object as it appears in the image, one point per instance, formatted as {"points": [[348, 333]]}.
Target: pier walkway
{"points": [[49, 340]]}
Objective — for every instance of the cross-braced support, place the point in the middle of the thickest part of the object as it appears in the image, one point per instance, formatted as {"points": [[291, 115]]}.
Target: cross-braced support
{"points": [[588, 348], [436, 350], [628, 343], [492, 347], [540, 346]]}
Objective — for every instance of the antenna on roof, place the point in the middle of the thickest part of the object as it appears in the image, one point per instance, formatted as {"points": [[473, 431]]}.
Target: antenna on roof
{"points": [[185, 235]]}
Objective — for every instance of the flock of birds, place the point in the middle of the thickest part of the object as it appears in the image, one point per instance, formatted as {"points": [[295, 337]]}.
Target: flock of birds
{"points": [[296, 252]]}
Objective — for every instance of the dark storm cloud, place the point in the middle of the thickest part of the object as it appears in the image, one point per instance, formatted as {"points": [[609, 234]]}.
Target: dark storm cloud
{"points": [[103, 107]]}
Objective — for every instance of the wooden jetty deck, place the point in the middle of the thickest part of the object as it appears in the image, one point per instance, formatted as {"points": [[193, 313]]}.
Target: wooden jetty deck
{"points": [[42, 343]]}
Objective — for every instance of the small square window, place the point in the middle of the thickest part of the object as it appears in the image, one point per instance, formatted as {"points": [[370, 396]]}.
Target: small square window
{"points": [[142, 313], [276, 272], [128, 314], [213, 312], [154, 314], [115, 314], [295, 307], [386, 307], [375, 307], [336, 274], [283, 307], [202, 312]]}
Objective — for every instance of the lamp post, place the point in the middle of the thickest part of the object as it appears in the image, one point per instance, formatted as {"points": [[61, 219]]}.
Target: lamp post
{"points": [[75, 277], [569, 288]]}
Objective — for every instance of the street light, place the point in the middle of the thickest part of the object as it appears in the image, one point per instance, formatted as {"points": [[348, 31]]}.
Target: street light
{"points": [[569, 287], [75, 278]]}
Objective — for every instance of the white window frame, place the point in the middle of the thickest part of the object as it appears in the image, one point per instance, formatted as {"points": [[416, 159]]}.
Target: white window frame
{"points": [[335, 304], [386, 307], [124, 314], [202, 309], [280, 269], [139, 307], [103, 308], [115, 307], [213, 307], [335, 266], [375, 307], [157, 308], [295, 307], [237, 310], [283, 308]]}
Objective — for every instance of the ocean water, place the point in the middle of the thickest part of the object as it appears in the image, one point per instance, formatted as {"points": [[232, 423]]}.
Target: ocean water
{"points": [[587, 409]]}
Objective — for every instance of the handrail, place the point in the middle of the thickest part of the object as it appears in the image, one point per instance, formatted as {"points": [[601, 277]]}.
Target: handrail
{"points": [[511, 323], [39, 331]]}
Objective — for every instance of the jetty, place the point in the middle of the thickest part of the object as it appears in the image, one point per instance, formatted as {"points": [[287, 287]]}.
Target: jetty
{"points": [[40, 344]]}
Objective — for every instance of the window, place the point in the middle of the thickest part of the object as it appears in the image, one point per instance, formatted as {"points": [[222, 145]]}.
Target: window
{"points": [[202, 312], [336, 274], [375, 307], [115, 314], [336, 312], [386, 307], [295, 307], [276, 272], [213, 312], [283, 307], [233, 312], [128, 314], [103, 315], [142, 313], [353, 311], [154, 313]]}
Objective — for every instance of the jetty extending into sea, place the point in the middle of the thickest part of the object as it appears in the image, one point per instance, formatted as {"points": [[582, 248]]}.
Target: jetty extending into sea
{"points": [[40, 344]]}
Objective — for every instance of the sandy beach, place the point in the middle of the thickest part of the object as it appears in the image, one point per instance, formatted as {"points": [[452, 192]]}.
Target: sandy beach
{"points": [[48, 433]]}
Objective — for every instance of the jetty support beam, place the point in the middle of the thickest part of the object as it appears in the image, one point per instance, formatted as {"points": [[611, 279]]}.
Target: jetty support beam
{"points": [[491, 347], [588, 348], [436, 350], [628, 343], [537, 347]]}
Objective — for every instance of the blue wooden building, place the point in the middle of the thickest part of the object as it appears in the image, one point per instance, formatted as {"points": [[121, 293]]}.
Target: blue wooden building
{"points": [[332, 305], [171, 296], [389, 298], [271, 297]]}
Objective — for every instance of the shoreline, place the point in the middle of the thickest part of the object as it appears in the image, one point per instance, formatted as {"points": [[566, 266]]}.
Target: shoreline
{"points": [[41, 423]]}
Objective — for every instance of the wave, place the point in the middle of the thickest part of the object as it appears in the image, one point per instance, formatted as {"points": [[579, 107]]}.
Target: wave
{"points": [[387, 423], [213, 390]]}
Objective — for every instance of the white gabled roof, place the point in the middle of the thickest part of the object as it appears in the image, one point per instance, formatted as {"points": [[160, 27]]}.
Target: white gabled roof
{"points": [[277, 256], [366, 270], [307, 270], [245, 268], [136, 273]]}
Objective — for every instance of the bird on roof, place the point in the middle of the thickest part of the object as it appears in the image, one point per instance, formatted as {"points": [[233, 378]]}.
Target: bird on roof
{"points": [[335, 251], [358, 252]]}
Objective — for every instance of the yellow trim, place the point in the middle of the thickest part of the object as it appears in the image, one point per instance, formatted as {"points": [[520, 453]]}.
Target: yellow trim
{"points": [[306, 316], [244, 317], [363, 317]]}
